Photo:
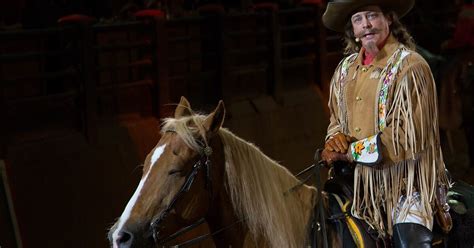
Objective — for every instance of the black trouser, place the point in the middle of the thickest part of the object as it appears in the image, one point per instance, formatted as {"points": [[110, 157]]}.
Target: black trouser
{"points": [[411, 235]]}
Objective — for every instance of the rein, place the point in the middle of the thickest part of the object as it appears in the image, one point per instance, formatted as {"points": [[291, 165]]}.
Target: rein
{"points": [[319, 225], [318, 222], [204, 236]]}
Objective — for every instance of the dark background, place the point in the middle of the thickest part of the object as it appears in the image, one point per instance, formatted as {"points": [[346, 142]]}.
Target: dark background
{"points": [[81, 96]]}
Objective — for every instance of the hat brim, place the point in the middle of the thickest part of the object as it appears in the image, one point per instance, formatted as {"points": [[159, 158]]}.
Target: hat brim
{"points": [[337, 13]]}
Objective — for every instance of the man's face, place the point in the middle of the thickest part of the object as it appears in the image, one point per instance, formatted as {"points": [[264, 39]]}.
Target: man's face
{"points": [[371, 26]]}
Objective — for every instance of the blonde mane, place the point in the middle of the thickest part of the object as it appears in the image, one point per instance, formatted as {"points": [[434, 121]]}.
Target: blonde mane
{"points": [[187, 128], [258, 187]]}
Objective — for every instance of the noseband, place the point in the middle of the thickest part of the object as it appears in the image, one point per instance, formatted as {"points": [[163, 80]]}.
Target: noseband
{"points": [[203, 161]]}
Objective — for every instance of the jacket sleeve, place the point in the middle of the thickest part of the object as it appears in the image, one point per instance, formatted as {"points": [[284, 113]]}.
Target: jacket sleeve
{"points": [[334, 124], [334, 119]]}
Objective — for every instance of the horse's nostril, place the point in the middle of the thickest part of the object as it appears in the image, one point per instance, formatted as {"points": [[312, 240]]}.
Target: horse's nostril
{"points": [[124, 239]]}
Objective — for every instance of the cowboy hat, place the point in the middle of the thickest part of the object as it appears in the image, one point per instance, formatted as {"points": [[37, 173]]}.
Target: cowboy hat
{"points": [[338, 11]]}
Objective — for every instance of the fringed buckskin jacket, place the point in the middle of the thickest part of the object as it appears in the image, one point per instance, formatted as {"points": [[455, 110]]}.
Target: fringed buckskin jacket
{"points": [[390, 107]]}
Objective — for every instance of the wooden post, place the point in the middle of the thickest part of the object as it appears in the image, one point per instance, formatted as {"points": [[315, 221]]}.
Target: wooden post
{"points": [[162, 94], [3, 124], [275, 84], [89, 93], [8, 222], [4, 114], [221, 56], [321, 49]]}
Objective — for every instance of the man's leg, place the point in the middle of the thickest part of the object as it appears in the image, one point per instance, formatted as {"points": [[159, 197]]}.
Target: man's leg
{"points": [[411, 230]]}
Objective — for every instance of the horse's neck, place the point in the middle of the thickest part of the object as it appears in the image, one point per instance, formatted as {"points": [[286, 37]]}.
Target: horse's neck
{"points": [[222, 216]]}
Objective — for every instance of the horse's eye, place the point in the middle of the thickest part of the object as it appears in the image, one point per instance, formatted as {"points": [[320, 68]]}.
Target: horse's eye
{"points": [[174, 171], [175, 153]]}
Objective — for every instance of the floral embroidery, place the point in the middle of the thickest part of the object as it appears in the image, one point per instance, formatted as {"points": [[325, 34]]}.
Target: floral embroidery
{"points": [[372, 148], [345, 66], [358, 148], [366, 150], [388, 76]]}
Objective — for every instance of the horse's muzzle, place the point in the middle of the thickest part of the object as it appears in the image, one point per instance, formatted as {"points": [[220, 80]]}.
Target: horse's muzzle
{"points": [[126, 238]]}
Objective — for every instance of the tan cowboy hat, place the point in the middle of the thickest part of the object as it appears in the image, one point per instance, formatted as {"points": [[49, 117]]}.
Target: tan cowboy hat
{"points": [[338, 11]]}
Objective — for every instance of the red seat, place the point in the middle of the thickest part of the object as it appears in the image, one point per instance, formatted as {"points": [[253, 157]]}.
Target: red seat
{"points": [[266, 6], [76, 18], [311, 2], [145, 13], [211, 8]]}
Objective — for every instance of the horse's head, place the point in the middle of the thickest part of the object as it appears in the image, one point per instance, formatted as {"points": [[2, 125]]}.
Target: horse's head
{"points": [[175, 189]]}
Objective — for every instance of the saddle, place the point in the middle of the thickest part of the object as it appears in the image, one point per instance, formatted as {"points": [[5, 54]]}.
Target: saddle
{"points": [[354, 232]]}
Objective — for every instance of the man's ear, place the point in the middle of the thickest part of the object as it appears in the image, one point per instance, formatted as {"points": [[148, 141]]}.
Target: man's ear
{"points": [[183, 108], [389, 18], [214, 121]]}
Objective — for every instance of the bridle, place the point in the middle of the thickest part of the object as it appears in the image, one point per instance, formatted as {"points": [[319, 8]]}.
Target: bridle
{"points": [[203, 162]]}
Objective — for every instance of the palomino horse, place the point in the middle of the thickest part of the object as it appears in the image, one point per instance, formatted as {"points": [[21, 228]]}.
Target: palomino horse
{"points": [[199, 169]]}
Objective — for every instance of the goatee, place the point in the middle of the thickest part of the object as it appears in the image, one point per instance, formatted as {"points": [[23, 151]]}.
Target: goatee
{"points": [[371, 48]]}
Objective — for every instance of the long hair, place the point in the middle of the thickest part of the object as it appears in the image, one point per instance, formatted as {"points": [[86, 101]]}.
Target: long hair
{"points": [[398, 30]]}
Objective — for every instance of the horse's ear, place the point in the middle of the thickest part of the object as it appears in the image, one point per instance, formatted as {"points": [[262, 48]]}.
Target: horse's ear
{"points": [[215, 120], [183, 108]]}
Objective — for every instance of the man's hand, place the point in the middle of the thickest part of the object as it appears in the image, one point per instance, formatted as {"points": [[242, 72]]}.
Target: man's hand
{"points": [[331, 157], [338, 143]]}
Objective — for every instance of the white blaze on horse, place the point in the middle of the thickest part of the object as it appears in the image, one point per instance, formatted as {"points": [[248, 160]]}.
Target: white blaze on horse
{"points": [[200, 170]]}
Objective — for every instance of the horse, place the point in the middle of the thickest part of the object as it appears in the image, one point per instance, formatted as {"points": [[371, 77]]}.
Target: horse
{"points": [[242, 189], [200, 171]]}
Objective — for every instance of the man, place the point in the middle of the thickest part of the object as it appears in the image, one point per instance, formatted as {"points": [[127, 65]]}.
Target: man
{"points": [[384, 120]]}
